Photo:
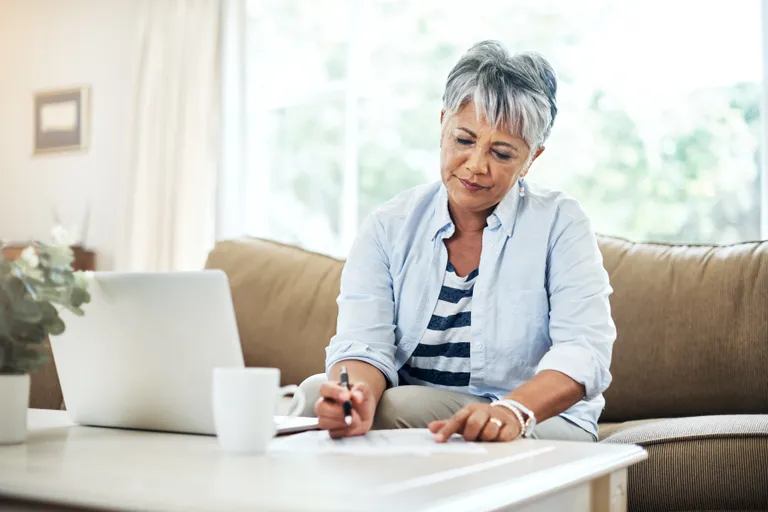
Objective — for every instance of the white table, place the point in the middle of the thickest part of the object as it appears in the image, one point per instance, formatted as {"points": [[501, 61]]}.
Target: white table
{"points": [[76, 466]]}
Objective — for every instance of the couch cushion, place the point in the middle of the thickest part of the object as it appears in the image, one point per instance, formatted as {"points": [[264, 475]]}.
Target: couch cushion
{"points": [[692, 325], [606, 429], [698, 463], [285, 303]]}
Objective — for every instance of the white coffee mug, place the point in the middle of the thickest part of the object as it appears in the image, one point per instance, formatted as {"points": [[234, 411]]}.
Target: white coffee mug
{"points": [[244, 406]]}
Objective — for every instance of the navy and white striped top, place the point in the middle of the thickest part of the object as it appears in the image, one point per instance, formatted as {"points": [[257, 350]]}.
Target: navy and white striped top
{"points": [[441, 358]]}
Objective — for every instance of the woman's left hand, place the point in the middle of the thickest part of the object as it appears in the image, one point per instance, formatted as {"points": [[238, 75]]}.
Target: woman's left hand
{"points": [[478, 422]]}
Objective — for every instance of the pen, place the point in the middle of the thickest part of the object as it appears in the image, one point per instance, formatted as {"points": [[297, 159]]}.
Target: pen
{"points": [[347, 404]]}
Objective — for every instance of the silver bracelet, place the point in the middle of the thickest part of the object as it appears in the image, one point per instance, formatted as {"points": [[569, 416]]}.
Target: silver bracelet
{"points": [[517, 414]]}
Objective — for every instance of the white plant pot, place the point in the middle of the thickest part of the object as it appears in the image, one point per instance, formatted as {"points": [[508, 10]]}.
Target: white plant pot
{"points": [[14, 400]]}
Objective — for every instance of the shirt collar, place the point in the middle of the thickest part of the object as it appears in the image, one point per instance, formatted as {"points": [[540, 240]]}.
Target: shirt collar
{"points": [[442, 218], [506, 210], [504, 214]]}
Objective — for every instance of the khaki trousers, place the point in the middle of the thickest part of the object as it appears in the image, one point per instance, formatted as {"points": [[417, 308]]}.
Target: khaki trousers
{"points": [[417, 406]]}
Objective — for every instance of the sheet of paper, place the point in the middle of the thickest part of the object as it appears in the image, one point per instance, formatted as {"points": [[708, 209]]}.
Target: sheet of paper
{"points": [[376, 443]]}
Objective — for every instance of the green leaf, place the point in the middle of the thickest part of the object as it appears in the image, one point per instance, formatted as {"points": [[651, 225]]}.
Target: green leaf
{"points": [[30, 360], [77, 311], [79, 297], [42, 360], [29, 333], [58, 256], [20, 276], [33, 276], [58, 278], [14, 288], [49, 312], [55, 327], [27, 311], [5, 323], [48, 294]]}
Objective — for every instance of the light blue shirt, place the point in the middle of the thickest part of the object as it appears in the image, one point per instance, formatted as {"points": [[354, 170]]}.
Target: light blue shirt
{"points": [[540, 301]]}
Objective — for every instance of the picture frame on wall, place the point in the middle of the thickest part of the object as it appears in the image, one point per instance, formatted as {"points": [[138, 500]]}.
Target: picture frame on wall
{"points": [[62, 120]]}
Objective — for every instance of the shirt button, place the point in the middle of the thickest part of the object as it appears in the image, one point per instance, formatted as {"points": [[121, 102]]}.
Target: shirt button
{"points": [[479, 345]]}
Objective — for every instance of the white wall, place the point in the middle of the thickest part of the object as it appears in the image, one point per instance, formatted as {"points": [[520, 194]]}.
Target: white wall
{"points": [[48, 44]]}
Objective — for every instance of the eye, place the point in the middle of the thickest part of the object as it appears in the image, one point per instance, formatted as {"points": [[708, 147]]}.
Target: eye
{"points": [[502, 156], [463, 142]]}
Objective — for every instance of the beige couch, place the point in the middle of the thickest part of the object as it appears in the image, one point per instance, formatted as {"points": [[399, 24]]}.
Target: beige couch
{"points": [[690, 363]]}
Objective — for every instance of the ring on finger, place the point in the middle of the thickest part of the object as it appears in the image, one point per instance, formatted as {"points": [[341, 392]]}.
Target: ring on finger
{"points": [[497, 422]]}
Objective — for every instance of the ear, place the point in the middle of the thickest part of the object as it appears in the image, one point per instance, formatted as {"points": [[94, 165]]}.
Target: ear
{"points": [[442, 127], [535, 156]]}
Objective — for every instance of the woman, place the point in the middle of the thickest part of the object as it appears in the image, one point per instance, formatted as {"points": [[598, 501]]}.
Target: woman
{"points": [[476, 306]]}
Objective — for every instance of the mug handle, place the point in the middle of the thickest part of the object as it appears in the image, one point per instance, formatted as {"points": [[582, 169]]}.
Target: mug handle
{"points": [[297, 405]]}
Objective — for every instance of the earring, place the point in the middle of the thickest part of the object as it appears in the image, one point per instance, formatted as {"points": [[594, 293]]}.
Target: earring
{"points": [[522, 187]]}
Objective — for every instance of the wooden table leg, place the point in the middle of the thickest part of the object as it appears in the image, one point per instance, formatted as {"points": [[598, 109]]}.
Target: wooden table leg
{"points": [[609, 493]]}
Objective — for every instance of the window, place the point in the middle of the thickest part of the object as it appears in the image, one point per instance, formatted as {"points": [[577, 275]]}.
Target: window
{"points": [[658, 135]]}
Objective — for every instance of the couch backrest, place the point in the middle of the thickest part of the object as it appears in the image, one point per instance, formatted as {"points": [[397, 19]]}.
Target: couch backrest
{"points": [[285, 303], [692, 321], [692, 326]]}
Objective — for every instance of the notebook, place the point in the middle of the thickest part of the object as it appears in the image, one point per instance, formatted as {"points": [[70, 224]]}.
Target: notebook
{"points": [[294, 424]]}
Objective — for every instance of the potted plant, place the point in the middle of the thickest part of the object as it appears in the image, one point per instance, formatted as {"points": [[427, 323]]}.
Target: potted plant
{"points": [[32, 290]]}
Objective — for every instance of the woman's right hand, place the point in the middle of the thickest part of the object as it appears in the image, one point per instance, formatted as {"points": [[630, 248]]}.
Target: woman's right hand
{"points": [[330, 412]]}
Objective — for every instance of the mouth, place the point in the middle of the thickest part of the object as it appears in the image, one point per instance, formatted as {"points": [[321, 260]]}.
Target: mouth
{"points": [[472, 187]]}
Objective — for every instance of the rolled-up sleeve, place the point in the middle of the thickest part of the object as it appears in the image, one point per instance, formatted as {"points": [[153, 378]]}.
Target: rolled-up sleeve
{"points": [[365, 329], [580, 325]]}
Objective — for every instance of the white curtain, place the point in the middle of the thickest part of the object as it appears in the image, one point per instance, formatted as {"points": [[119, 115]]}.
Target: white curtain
{"points": [[172, 180]]}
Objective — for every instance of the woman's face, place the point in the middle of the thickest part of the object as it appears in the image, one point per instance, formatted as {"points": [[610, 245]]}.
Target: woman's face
{"points": [[479, 164]]}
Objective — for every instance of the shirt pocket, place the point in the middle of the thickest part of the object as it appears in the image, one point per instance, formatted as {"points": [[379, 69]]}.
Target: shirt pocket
{"points": [[522, 328]]}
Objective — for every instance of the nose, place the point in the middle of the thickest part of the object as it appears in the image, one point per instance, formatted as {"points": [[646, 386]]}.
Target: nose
{"points": [[476, 163]]}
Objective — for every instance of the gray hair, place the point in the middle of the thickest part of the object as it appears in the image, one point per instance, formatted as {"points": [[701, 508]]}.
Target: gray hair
{"points": [[514, 92]]}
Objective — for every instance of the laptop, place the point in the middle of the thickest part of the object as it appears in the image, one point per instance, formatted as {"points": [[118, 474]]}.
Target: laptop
{"points": [[143, 355]]}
